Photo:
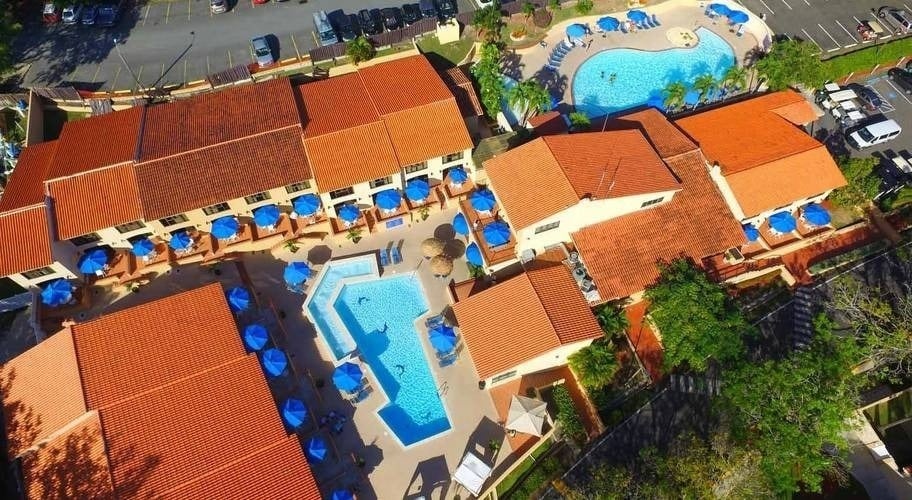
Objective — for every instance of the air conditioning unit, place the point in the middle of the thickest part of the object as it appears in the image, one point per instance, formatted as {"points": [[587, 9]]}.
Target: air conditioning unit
{"points": [[733, 256]]}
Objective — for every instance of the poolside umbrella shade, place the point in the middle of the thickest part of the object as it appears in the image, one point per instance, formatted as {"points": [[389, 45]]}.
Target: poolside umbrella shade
{"points": [[388, 199], [442, 338], [57, 293], [294, 412], [296, 273], [738, 17], [342, 495], [181, 241], [347, 376], [306, 205], [349, 213], [441, 265], [497, 233], [266, 216], [93, 261], [460, 224], [783, 222], [417, 190], [225, 228], [576, 31], [255, 336], [719, 9], [143, 247], [692, 97], [608, 23], [636, 16], [473, 255], [238, 299], [751, 232], [482, 200], [458, 176], [432, 247], [815, 214], [316, 449], [274, 362], [526, 415]]}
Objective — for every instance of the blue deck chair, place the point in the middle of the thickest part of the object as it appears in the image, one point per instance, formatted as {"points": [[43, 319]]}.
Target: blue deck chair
{"points": [[444, 360], [648, 22], [384, 257], [655, 20], [434, 321], [623, 28], [395, 255], [549, 68]]}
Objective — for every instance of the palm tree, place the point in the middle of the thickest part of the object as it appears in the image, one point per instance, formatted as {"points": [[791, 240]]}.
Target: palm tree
{"points": [[530, 97], [360, 49], [705, 84], [674, 94], [735, 78], [528, 10], [487, 22]]}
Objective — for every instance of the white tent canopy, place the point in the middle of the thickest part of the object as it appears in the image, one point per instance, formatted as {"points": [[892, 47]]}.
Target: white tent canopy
{"points": [[527, 415], [472, 473]]}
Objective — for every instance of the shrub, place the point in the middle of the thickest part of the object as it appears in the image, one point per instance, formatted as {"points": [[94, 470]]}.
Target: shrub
{"points": [[567, 416], [360, 49], [584, 6], [542, 18], [595, 364], [866, 59], [847, 257]]}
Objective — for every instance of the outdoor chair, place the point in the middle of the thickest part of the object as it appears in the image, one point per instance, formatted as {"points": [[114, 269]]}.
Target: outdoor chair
{"points": [[395, 256], [435, 321], [655, 20], [444, 360], [623, 28], [384, 257]]}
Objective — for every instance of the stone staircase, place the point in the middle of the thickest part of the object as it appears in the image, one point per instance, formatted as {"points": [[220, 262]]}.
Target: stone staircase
{"points": [[695, 385], [803, 330]]}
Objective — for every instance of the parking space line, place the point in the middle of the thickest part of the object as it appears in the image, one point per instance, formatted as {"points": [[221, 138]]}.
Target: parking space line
{"points": [[114, 82], [95, 76], [768, 7], [908, 9], [295, 45], [138, 81], [167, 12], [787, 5], [811, 38], [847, 31], [808, 3], [229, 59], [189, 8], [208, 69], [146, 16], [829, 35], [185, 71], [900, 92]]}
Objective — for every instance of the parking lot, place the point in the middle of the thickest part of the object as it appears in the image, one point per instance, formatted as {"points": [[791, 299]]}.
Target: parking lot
{"points": [[829, 24], [171, 41]]}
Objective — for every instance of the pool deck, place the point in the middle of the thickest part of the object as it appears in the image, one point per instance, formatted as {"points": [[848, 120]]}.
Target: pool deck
{"points": [[686, 14]]}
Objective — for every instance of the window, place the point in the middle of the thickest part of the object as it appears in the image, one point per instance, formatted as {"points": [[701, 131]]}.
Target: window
{"points": [[174, 219], [503, 376], [341, 192], [381, 182], [255, 198], [297, 186], [453, 157], [411, 169], [85, 239], [214, 209], [37, 273], [651, 202], [129, 226], [547, 227]]}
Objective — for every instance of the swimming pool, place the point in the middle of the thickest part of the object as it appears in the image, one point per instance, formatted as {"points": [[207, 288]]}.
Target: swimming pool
{"points": [[319, 303], [618, 79]]}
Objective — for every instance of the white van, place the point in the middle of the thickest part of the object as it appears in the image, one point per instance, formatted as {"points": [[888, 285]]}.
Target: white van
{"points": [[324, 29], [873, 134]]}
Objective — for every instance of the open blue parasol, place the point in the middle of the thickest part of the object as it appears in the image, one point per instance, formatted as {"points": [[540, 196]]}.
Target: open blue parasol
{"points": [[255, 336], [460, 224], [497, 233], [576, 31], [294, 412], [224, 228], [738, 17], [266, 216], [815, 214], [238, 299], [274, 362], [636, 16], [57, 293], [751, 232], [342, 495], [181, 241], [388, 199], [143, 247], [482, 200], [443, 338], [296, 273], [783, 222], [348, 376], [306, 205], [316, 449], [473, 255], [93, 261], [719, 9], [458, 176], [608, 23], [417, 190], [349, 213]]}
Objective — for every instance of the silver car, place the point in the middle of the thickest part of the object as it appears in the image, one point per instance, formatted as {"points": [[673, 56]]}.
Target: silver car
{"points": [[72, 13], [262, 52]]}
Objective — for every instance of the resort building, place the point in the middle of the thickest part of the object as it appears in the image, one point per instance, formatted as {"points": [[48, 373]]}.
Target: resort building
{"points": [[157, 400]]}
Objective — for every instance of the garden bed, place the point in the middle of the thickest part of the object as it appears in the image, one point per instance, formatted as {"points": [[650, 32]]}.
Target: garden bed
{"points": [[847, 257]]}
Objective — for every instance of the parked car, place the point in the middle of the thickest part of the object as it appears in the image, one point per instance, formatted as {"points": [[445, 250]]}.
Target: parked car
{"points": [[427, 8], [89, 15], [892, 19], [866, 95], [902, 78], [367, 23], [260, 2], [410, 13], [355, 25], [446, 8], [108, 15], [342, 24], [900, 18], [392, 18], [377, 18], [72, 13], [218, 6], [873, 134], [51, 14], [262, 52], [324, 29]]}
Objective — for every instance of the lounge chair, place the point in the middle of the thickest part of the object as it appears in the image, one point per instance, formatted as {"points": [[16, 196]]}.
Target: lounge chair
{"points": [[655, 21], [395, 256], [434, 321], [384, 257], [550, 67], [623, 28], [444, 360]]}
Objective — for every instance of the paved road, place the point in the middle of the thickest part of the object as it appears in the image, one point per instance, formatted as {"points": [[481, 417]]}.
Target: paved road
{"points": [[182, 32]]}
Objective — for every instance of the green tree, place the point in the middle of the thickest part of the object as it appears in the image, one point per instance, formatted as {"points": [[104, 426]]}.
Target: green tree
{"points": [[579, 122], [862, 183], [595, 364], [567, 416], [705, 84], [674, 94], [554, 5], [791, 62], [487, 21], [735, 78], [697, 318], [528, 10], [360, 49], [530, 97], [490, 81], [612, 319], [584, 7], [9, 28]]}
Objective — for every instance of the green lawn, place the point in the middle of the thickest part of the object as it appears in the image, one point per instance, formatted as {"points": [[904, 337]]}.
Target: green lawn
{"points": [[514, 476], [454, 52], [54, 120]]}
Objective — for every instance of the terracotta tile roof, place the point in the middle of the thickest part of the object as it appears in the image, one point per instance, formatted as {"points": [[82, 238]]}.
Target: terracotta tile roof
{"points": [[324, 100], [30, 229], [42, 392], [402, 84], [128, 352], [351, 156], [538, 311], [667, 139], [647, 346], [461, 87], [621, 254], [216, 117], [550, 123], [281, 472], [95, 142], [177, 433], [428, 131], [595, 165], [25, 185], [95, 200], [230, 170]]}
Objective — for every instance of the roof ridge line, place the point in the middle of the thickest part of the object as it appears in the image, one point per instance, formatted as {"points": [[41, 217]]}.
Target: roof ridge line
{"points": [[559, 166], [86, 172], [541, 304], [42, 204], [230, 141], [382, 120]]}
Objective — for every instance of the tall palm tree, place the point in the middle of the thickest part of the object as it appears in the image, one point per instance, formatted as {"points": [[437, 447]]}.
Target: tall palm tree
{"points": [[674, 94], [705, 84], [528, 10], [735, 78], [530, 97]]}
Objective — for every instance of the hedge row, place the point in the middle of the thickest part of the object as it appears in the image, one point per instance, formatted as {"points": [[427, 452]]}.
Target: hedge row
{"points": [[848, 257], [865, 59]]}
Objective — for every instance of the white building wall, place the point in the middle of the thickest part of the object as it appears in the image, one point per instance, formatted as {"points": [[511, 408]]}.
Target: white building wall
{"points": [[552, 359], [715, 173]]}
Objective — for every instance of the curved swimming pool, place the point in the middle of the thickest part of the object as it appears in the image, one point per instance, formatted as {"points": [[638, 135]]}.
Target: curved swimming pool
{"points": [[619, 79]]}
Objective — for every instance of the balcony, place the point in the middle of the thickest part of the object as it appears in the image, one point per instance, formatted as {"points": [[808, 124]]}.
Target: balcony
{"points": [[477, 221], [456, 191]]}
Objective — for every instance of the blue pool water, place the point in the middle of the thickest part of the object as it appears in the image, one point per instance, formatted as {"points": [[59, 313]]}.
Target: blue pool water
{"points": [[339, 341], [641, 75], [396, 358]]}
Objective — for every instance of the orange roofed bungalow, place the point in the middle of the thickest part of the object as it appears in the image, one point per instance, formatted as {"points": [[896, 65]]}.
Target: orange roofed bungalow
{"points": [[158, 400]]}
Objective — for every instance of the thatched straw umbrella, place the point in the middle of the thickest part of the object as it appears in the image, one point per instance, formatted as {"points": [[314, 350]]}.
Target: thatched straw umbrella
{"points": [[441, 265], [432, 247]]}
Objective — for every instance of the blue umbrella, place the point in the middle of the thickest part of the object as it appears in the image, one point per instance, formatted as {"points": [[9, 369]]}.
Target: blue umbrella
{"points": [[473, 255], [458, 175], [576, 31], [497, 233], [719, 9], [238, 299], [636, 16], [388, 199], [57, 293], [751, 232], [93, 261], [783, 222], [738, 17], [608, 23], [482, 200], [815, 214], [306, 205], [181, 240], [347, 376], [692, 97], [296, 273], [460, 224], [342, 495], [274, 362], [349, 213], [443, 338], [224, 228], [267, 215], [255, 336], [417, 190], [143, 247], [294, 413], [316, 449]]}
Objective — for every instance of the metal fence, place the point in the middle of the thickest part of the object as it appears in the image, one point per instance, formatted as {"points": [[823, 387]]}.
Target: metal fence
{"points": [[385, 39], [12, 100], [57, 94]]}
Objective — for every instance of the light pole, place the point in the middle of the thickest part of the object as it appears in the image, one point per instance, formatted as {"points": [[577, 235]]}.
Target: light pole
{"points": [[124, 60]]}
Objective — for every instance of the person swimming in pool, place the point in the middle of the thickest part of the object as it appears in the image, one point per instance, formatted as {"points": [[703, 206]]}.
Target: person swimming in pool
{"points": [[401, 369], [362, 300]]}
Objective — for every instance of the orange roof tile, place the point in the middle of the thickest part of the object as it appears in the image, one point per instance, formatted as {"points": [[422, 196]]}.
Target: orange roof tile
{"points": [[30, 229], [667, 139], [461, 86], [42, 392], [128, 352], [543, 309], [95, 200], [179, 432], [222, 172], [97, 141], [25, 185], [550, 123], [403, 84], [323, 113], [216, 117], [354, 155], [427, 131]]}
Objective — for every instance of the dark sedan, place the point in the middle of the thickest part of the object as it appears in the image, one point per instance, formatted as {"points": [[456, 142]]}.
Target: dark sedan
{"points": [[392, 18], [410, 13]]}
